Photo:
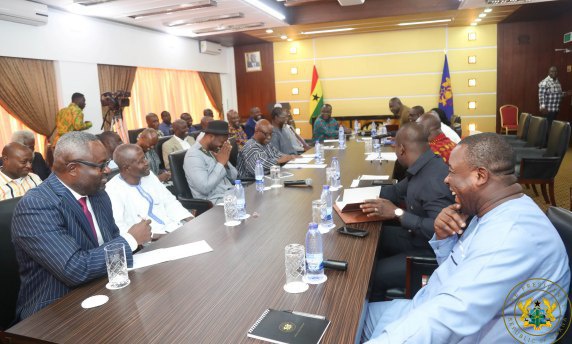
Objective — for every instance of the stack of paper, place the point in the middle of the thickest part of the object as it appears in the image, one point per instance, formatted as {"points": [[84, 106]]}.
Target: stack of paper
{"points": [[352, 198], [161, 255]]}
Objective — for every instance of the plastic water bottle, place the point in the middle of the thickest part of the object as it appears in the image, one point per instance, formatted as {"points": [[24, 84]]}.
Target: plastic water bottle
{"points": [[314, 256], [259, 176], [342, 137], [240, 200], [373, 129], [356, 126], [383, 129], [318, 154], [326, 197], [335, 173]]}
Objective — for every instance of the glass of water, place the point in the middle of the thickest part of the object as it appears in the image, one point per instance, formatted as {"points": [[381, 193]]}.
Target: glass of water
{"points": [[295, 263], [116, 266], [230, 209], [275, 176], [328, 176]]}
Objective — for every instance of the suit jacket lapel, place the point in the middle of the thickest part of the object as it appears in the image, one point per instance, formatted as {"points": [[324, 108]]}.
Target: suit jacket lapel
{"points": [[98, 212]]}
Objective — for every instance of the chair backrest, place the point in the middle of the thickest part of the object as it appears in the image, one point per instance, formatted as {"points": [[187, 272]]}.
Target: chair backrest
{"points": [[233, 153], [558, 139], [112, 173], [133, 134], [178, 177], [509, 115], [536, 132], [9, 274], [419, 269], [159, 149], [522, 128]]}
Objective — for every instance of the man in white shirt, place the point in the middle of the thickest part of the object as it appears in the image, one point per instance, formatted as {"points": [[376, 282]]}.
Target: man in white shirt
{"points": [[16, 177], [180, 140], [137, 194]]}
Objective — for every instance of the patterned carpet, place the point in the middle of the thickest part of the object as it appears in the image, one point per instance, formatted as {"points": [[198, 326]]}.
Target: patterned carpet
{"points": [[562, 185]]}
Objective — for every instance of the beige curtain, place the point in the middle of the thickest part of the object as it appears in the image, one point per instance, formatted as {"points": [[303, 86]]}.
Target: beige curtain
{"points": [[211, 82], [28, 92], [115, 78]]}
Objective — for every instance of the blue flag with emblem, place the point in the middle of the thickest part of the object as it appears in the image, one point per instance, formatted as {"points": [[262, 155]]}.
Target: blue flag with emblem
{"points": [[446, 92]]}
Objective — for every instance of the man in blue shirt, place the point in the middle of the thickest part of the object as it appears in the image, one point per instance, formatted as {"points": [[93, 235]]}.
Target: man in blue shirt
{"points": [[497, 272], [166, 127], [255, 116]]}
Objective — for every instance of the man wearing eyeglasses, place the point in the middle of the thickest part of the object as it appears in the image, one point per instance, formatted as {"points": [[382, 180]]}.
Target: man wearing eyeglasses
{"points": [[61, 227], [259, 148]]}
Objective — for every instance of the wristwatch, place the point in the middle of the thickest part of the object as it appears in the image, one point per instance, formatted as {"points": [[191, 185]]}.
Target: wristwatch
{"points": [[398, 212]]}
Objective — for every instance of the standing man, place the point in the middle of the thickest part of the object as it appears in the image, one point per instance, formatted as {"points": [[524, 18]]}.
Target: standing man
{"points": [[60, 228], [325, 127], [255, 116], [208, 171], [147, 140], [180, 141], [15, 173], [39, 165], [153, 123], [549, 96], [71, 118], [235, 129], [399, 111], [280, 139], [166, 127]]}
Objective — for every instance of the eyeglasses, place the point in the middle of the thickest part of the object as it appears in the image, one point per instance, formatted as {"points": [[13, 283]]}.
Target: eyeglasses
{"points": [[101, 166]]}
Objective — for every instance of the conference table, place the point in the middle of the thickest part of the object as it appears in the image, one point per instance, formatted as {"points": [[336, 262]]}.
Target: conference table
{"points": [[217, 296]]}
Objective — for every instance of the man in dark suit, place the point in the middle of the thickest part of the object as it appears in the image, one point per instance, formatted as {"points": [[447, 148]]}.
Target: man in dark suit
{"points": [[60, 230]]}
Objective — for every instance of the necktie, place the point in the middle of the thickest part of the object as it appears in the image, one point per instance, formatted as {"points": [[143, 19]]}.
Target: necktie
{"points": [[87, 213]]}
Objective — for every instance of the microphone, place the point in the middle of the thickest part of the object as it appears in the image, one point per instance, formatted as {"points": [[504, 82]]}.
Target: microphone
{"points": [[301, 182]]}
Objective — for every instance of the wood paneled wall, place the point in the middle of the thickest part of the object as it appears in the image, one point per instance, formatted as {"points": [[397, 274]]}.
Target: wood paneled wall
{"points": [[525, 53], [255, 88]]}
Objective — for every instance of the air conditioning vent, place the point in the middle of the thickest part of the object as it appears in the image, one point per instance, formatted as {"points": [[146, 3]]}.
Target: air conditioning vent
{"points": [[24, 12], [210, 48]]}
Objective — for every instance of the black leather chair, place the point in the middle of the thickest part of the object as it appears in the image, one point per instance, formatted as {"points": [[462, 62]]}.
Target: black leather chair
{"points": [[159, 149], [9, 274], [417, 273], [562, 220], [536, 134], [522, 129], [112, 173], [233, 153], [182, 190], [457, 125], [133, 134]]}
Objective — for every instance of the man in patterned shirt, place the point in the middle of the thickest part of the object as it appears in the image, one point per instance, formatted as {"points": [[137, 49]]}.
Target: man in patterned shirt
{"points": [[440, 144], [325, 127], [259, 148], [235, 129], [15, 174], [549, 95], [71, 118]]}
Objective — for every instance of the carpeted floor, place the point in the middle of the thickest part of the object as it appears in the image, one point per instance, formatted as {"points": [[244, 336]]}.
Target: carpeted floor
{"points": [[562, 185]]}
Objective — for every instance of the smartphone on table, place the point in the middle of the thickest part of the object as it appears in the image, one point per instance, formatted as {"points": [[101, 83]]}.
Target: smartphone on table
{"points": [[353, 231]]}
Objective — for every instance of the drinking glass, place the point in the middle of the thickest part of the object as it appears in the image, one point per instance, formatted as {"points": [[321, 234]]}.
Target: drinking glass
{"points": [[328, 176], [230, 211], [275, 176], [116, 266], [368, 146], [295, 262]]}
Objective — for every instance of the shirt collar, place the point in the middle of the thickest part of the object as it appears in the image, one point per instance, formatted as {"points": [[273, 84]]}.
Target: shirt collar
{"points": [[177, 138], [9, 180], [420, 163], [75, 194]]}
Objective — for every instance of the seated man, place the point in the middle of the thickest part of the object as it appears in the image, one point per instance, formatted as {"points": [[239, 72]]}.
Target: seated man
{"points": [[325, 126], [39, 165], [447, 130], [153, 123], [189, 119], [166, 127], [255, 116], [280, 139], [439, 143], [415, 112], [147, 140], [486, 273], [208, 171], [259, 148], [180, 141], [136, 192], [235, 129], [15, 173], [298, 142], [424, 195], [208, 113], [399, 111], [60, 228], [111, 141]]}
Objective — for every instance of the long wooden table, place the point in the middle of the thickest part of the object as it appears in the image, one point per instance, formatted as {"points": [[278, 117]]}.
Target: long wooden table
{"points": [[217, 296]]}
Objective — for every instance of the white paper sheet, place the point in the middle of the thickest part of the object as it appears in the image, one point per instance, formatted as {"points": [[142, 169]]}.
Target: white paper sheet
{"points": [[381, 156], [304, 166], [301, 160], [309, 155], [330, 140], [374, 177], [355, 183], [330, 147], [358, 195], [161, 255]]}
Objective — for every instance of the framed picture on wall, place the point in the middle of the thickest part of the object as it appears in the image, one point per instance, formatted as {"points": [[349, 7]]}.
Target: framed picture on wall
{"points": [[253, 62]]}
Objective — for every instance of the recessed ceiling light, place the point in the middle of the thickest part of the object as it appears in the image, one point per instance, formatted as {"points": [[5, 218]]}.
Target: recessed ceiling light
{"points": [[327, 31], [169, 9], [482, 15], [425, 22], [478, 20], [283, 37], [289, 39], [269, 31], [473, 24], [488, 10], [204, 19]]}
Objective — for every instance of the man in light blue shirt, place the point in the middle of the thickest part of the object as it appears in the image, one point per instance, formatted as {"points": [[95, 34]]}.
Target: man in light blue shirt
{"points": [[503, 276]]}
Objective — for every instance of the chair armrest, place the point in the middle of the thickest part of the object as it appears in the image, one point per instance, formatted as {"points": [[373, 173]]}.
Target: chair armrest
{"points": [[539, 168], [528, 152], [200, 205]]}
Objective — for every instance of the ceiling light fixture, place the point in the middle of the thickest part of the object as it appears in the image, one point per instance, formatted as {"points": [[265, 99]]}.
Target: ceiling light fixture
{"points": [[284, 37], [269, 31], [327, 31], [228, 28], [426, 22], [473, 24], [488, 10], [91, 2], [177, 23], [170, 9], [264, 7], [482, 15]]}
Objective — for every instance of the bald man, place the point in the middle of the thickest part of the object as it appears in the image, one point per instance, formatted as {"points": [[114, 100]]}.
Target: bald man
{"points": [[259, 148], [16, 176], [137, 192], [180, 141], [448, 131], [439, 143], [407, 231]]}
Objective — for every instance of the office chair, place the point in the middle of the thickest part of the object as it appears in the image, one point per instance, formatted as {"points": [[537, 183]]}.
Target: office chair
{"points": [[521, 129], [133, 134], [233, 153], [182, 190], [509, 118], [159, 149]]}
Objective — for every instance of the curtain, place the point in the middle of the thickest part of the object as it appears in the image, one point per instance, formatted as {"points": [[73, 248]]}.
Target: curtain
{"points": [[28, 92], [9, 124], [112, 79], [211, 83], [156, 90]]}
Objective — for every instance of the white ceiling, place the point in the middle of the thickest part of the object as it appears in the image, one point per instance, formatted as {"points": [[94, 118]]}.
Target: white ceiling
{"points": [[121, 10], [466, 4]]}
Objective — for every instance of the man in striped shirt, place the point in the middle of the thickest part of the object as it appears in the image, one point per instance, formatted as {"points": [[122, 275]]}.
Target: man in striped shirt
{"points": [[15, 174], [259, 148]]}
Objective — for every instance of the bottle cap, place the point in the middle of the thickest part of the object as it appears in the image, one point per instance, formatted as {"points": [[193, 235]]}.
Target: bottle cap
{"points": [[312, 225], [326, 187], [236, 182]]}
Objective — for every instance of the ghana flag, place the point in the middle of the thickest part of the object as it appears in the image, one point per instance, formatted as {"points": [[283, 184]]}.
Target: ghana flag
{"points": [[316, 97]]}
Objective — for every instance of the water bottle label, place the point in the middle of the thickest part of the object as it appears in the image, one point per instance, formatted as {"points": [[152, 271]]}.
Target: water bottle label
{"points": [[315, 262]]}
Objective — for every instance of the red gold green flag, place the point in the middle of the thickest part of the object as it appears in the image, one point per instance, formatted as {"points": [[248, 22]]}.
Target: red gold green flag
{"points": [[316, 97]]}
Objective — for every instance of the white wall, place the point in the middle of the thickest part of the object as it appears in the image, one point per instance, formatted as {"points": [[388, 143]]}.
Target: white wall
{"points": [[79, 43]]}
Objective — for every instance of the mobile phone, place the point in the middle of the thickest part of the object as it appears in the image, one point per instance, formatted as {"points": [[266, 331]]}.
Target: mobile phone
{"points": [[353, 231]]}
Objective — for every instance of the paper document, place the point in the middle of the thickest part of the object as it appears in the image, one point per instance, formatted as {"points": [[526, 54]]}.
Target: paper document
{"points": [[329, 147], [301, 160], [282, 174], [161, 255], [381, 156], [331, 140], [374, 177], [352, 198], [355, 183], [309, 155], [304, 166]]}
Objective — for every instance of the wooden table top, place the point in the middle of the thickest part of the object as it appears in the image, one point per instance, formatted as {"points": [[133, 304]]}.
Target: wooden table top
{"points": [[217, 296]]}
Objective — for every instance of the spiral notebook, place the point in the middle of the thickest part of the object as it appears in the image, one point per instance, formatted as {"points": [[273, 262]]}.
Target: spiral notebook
{"points": [[277, 326]]}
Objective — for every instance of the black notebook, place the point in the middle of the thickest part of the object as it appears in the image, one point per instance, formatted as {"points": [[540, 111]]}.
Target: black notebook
{"points": [[289, 327]]}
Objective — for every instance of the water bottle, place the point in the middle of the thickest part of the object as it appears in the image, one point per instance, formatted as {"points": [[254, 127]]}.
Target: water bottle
{"points": [[335, 173], [356, 126], [314, 256], [373, 129], [342, 137], [318, 154], [240, 200], [326, 197], [259, 176], [383, 129]]}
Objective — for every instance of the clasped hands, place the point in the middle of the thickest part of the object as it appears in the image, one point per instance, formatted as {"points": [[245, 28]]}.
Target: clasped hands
{"points": [[379, 207], [223, 153]]}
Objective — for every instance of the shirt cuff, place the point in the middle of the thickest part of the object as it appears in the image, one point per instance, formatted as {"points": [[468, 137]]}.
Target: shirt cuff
{"points": [[443, 247], [131, 241]]}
